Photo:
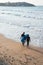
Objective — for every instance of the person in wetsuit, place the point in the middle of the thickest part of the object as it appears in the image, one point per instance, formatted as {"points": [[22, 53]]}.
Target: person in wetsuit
{"points": [[23, 38], [28, 39]]}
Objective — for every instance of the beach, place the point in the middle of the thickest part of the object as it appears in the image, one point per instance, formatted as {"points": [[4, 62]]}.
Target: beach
{"points": [[13, 53], [16, 20]]}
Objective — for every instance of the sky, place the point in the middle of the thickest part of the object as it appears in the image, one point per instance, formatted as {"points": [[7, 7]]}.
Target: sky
{"points": [[35, 2]]}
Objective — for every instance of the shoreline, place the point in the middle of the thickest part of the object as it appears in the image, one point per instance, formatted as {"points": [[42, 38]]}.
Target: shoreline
{"points": [[36, 48], [13, 53]]}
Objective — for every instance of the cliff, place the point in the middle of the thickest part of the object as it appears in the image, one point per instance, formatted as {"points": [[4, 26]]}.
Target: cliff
{"points": [[16, 4]]}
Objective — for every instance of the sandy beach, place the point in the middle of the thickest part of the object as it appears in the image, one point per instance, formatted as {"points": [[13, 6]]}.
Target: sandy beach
{"points": [[13, 53]]}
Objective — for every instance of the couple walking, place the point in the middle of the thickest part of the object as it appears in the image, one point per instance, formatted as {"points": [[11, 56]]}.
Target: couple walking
{"points": [[25, 37]]}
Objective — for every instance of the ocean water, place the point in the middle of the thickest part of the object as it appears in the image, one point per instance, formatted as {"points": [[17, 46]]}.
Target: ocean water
{"points": [[15, 20]]}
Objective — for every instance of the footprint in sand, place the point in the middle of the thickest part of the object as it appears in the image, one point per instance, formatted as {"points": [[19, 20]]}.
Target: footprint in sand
{"points": [[12, 59], [1, 53]]}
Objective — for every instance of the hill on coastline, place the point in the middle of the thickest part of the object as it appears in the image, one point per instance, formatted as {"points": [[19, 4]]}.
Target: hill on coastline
{"points": [[16, 4]]}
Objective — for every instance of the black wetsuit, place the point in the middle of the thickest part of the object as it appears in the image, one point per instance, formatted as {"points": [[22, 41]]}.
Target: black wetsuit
{"points": [[28, 39]]}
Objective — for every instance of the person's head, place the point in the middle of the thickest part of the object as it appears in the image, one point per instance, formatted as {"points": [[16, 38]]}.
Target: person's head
{"points": [[23, 32]]}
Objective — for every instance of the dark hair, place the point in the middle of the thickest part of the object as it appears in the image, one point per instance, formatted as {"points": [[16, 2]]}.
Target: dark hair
{"points": [[23, 34]]}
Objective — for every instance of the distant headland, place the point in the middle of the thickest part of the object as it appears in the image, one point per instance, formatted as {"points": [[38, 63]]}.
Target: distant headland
{"points": [[22, 4]]}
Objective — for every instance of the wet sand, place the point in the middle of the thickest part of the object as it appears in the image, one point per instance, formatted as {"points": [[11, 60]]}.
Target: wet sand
{"points": [[13, 53]]}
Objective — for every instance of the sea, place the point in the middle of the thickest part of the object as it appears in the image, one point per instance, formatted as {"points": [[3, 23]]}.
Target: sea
{"points": [[16, 20]]}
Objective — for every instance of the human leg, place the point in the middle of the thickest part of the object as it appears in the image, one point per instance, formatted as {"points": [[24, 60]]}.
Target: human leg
{"points": [[23, 43], [27, 43]]}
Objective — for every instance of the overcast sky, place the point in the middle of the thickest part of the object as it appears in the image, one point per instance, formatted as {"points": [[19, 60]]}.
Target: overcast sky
{"points": [[36, 2]]}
